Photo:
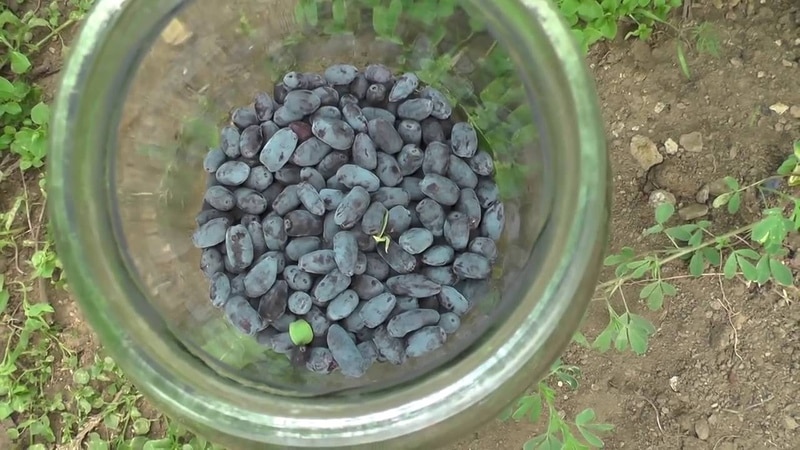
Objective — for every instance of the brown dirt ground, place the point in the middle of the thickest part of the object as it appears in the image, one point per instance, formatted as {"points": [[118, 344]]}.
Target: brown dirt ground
{"points": [[732, 351]]}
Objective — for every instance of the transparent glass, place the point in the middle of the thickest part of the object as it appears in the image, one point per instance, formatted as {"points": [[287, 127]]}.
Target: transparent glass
{"points": [[139, 108]]}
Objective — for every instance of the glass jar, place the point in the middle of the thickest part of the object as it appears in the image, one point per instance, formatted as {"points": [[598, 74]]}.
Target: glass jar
{"points": [[143, 98]]}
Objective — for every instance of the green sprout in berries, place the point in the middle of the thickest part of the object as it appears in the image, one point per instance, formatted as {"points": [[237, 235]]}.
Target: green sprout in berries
{"points": [[381, 237]]}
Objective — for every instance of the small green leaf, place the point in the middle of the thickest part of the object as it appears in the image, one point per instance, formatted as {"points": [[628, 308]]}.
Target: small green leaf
{"points": [[640, 322], [712, 255], [339, 11], [786, 168], [696, 239], [506, 414], [613, 260], [158, 444], [735, 203], [663, 212], [608, 27], [584, 417], [590, 437], [569, 7], [655, 229], [732, 183], [535, 443], [762, 268], [4, 296], [81, 376], [95, 442], [141, 426], [638, 340], [748, 253], [19, 62], [385, 18], [590, 10], [780, 273], [679, 233], [621, 342], [40, 114], [648, 289], [6, 89], [655, 300], [640, 268], [697, 264], [530, 406], [580, 339], [111, 421], [682, 60], [571, 381], [761, 230], [600, 427], [311, 13], [722, 200], [748, 269], [603, 341]]}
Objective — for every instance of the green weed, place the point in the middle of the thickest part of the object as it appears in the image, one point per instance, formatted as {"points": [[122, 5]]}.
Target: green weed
{"points": [[560, 432], [595, 20], [24, 116], [754, 253]]}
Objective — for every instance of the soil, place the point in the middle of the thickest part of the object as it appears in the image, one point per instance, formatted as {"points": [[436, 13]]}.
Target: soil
{"points": [[723, 367]]}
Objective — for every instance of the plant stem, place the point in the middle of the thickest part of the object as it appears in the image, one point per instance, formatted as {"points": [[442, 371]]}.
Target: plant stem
{"points": [[37, 46], [679, 254]]}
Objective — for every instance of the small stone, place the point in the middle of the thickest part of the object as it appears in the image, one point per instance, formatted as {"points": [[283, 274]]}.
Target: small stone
{"points": [[790, 423], [660, 106], [670, 146], [795, 111], [693, 211], [703, 194], [645, 152], [702, 429], [779, 108], [673, 383], [737, 62], [660, 196], [692, 142], [787, 63], [761, 74], [176, 33]]}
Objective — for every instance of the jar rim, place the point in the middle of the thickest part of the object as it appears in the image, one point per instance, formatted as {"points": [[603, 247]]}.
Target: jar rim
{"points": [[84, 126]]}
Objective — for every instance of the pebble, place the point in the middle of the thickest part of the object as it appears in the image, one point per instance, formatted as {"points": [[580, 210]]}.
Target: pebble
{"points": [[670, 146], [702, 429], [795, 111], [779, 108], [692, 142], [645, 152], [703, 194], [660, 196], [790, 423], [176, 33], [693, 211]]}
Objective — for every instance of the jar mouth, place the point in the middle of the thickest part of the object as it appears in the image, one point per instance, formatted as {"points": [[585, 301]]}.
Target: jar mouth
{"points": [[490, 373]]}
